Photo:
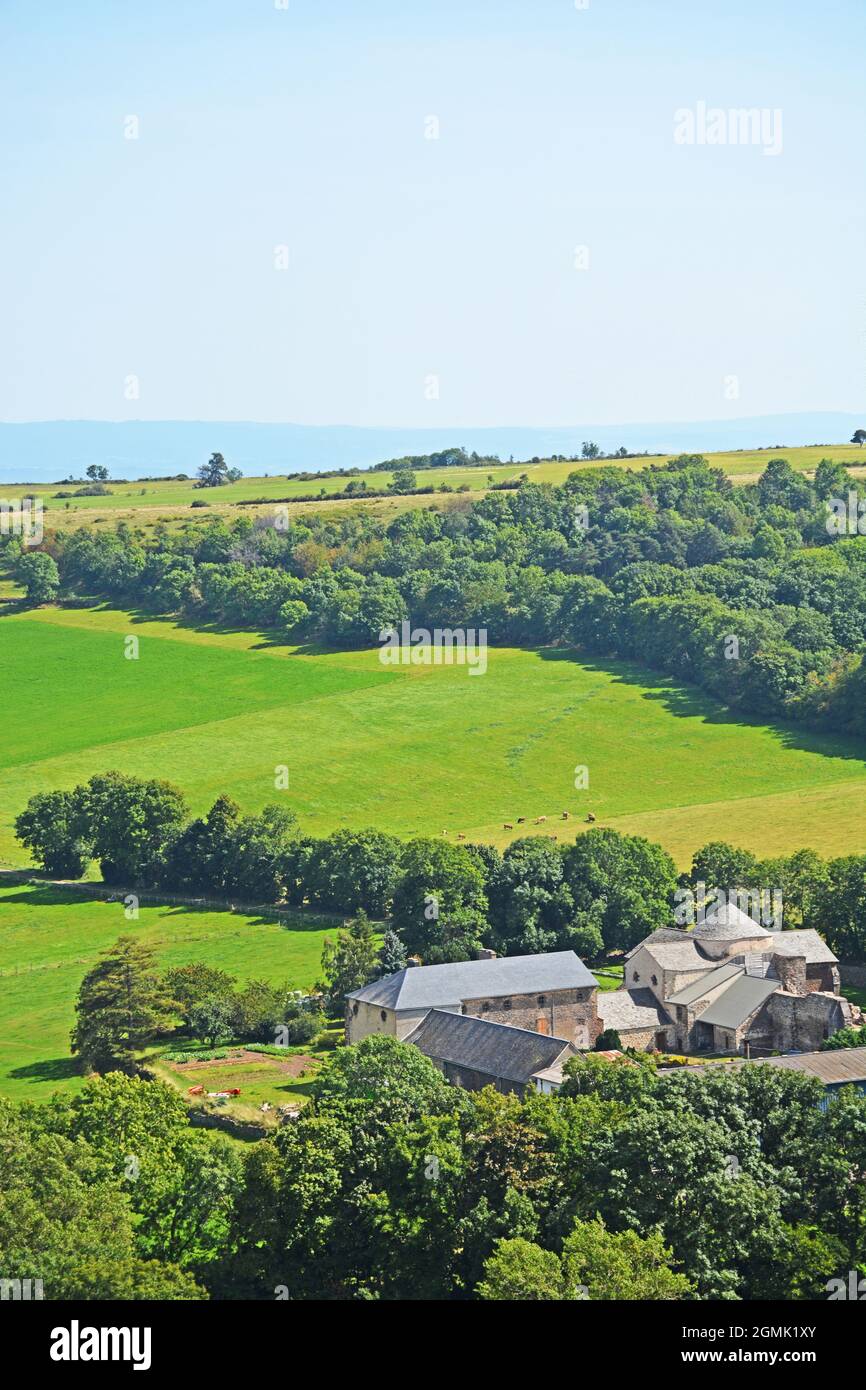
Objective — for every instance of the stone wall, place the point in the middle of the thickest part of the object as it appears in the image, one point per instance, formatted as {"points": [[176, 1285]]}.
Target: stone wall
{"points": [[791, 970], [802, 1022], [563, 1013]]}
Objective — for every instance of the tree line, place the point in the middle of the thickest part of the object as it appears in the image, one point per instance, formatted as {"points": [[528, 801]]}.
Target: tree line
{"points": [[740, 590], [444, 901]]}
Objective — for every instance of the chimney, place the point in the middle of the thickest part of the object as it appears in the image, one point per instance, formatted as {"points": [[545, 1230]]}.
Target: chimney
{"points": [[484, 954], [791, 970], [412, 960]]}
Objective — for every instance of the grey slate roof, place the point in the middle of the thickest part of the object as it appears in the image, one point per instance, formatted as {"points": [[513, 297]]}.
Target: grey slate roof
{"points": [[682, 954], [739, 1000], [437, 986], [803, 942], [657, 937], [727, 922], [623, 1009], [494, 1049]]}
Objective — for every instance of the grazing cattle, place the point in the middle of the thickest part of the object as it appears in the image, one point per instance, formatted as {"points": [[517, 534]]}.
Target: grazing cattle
{"points": [[539, 820], [506, 826], [460, 837], [590, 816], [521, 820], [565, 815]]}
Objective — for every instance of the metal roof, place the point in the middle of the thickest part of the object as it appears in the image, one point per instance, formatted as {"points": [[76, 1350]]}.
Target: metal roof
{"points": [[436, 986], [834, 1067], [706, 984], [494, 1049], [738, 1001]]}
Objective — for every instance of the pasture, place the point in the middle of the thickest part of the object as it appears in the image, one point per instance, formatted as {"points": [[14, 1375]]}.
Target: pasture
{"points": [[418, 750], [147, 503], [50, 937]]}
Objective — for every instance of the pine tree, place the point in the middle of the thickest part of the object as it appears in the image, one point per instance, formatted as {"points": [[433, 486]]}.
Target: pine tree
{"points": [[122, 1004]]}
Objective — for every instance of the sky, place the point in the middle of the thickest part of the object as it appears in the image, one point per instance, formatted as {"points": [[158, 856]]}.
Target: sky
{"points": [[429, 212]]}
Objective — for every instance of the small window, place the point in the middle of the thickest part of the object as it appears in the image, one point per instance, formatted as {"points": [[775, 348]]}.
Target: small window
{"points": [[485, 1007], [383, 1016], [655, 979], [542, 1000], [635, 975], [506, 1003], [355, 1010]]}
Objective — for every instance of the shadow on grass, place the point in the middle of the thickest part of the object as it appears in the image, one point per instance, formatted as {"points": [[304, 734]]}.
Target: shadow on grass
{"points": [[50, 894], [686, 701], [55, 1069]]}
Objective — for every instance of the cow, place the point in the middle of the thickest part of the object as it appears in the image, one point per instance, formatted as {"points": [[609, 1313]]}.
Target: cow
{"points": [[460, 837], [539, 820], [565, 815], [506, 826], [521, 820], [590, 816]]}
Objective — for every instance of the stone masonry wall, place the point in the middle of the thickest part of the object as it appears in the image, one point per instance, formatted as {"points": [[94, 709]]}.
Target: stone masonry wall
{"points": [[563, 1013]]}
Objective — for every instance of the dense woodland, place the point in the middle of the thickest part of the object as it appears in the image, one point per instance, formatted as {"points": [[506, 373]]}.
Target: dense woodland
{"points": [[742, 590], [393, 1184]]}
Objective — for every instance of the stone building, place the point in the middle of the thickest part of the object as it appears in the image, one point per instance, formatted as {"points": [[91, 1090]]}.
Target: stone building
{"points": [[729, 985], [475, 1052], [552, 994]]}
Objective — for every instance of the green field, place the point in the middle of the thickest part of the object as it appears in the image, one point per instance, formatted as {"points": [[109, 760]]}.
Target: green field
{"points": [[49, 938], [148, 503], [413, 750]]}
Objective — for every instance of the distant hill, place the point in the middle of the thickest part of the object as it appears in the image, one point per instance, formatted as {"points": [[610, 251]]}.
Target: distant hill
{"points": [[46, 451]]}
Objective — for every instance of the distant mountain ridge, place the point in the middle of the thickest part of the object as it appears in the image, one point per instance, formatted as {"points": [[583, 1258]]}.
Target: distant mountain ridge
{"points": [[45, 451]]}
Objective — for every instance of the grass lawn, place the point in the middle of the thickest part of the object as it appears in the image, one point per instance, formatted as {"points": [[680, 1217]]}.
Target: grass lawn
{"points": [[412, 750], [49, 938]]}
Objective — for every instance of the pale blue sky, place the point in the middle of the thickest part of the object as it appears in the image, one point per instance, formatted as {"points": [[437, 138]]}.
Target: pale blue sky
{"points": [[411, 257]]}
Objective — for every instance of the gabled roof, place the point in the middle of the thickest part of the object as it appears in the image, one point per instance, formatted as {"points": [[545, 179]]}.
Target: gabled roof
{"points": [[494, 1049], [680, 953], [661, 935], [706, 984], [727, 922], [630, 1008], [739, 1000], [438, 986], [803, 942]]}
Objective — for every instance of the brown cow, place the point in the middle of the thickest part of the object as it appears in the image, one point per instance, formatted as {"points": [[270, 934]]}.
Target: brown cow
{"points": [[590, 816], [460, 837], [506, 826], [539, 820]]}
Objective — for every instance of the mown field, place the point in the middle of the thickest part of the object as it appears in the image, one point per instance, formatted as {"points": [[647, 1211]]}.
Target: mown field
{"points": [[413, 750], [151, 502], [50, 937]]}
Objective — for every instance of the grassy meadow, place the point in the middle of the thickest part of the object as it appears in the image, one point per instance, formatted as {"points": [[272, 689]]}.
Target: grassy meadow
{"points": [[147, 503], [50, 936], [413, 750]]}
